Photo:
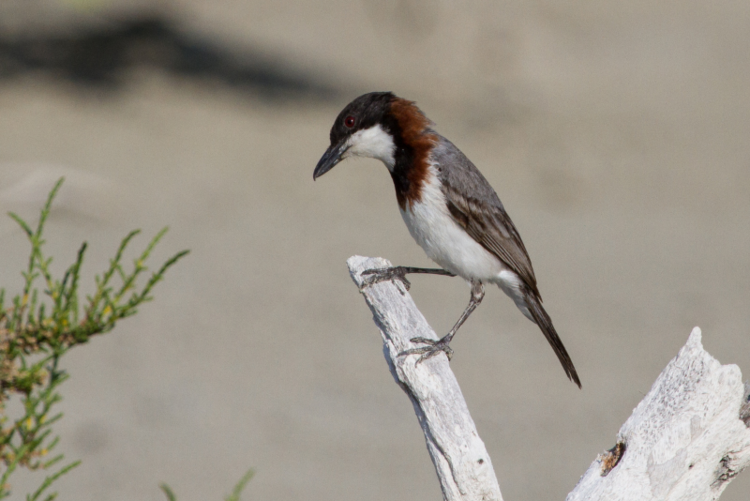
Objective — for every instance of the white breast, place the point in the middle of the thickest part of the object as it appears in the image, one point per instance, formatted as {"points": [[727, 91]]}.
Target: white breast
{"points": [[444, 241]]}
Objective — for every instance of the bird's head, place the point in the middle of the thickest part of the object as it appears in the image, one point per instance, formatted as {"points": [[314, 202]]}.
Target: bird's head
{"points": [[374, 125]]}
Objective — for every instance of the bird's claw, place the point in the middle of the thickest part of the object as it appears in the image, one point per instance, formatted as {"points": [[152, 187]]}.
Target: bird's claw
{"points": [[382, 274], [433, 348]]}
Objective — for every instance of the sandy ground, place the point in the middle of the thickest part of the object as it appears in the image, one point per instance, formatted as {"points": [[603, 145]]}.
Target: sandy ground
{"points": [[615, 133]]}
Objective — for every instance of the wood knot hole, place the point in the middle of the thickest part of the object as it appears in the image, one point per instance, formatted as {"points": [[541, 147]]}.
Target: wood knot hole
{"points": [[612, 457]]}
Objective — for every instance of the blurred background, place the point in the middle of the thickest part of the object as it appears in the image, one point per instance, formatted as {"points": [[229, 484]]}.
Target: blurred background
{"points": [[616, 134]]}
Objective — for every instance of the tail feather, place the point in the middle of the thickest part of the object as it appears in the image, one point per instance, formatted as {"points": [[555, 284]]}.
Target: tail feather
{"points": [[534, 305]]}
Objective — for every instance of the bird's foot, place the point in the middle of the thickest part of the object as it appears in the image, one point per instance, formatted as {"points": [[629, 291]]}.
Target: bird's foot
{"points": [[382, 274], [433, 348]]}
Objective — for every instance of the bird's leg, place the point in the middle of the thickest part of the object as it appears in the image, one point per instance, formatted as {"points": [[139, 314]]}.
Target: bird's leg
{"points": [[443, 344], [400, 272]]}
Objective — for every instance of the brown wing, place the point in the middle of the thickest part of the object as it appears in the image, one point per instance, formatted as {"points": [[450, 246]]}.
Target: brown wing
{"points": [[483, 216]]}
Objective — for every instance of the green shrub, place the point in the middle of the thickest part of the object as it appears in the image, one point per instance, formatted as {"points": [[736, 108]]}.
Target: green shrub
{"points": [[36, 330]]}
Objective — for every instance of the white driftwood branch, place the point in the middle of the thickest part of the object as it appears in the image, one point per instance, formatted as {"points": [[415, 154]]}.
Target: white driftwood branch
{"points": [[685, 441], [460, 458]]}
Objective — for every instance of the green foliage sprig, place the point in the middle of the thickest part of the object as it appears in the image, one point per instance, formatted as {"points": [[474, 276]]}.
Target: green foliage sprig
{"points": [[234, 496], [35, 332]]}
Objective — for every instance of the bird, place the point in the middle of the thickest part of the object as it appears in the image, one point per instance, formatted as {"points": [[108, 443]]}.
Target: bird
{"points": [[449, 208]]}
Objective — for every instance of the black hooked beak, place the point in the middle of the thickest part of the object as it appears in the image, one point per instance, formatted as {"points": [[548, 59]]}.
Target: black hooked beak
{"points": [[330, 158]]}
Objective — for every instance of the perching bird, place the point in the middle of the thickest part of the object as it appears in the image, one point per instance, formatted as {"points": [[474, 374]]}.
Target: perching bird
{"points": [[449, 207]]}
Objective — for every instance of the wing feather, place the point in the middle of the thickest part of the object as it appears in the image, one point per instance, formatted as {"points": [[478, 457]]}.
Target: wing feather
{"points": [[482, 216]]}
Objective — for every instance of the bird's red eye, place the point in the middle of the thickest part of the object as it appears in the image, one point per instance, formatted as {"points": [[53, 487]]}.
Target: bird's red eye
{"points": [[349, 121]]}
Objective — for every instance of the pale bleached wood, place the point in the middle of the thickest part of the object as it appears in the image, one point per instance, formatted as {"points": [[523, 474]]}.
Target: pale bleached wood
{"points": [[685, 441], [462, 463]]}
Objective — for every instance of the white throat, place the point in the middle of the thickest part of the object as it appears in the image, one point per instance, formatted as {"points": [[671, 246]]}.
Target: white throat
{"points": [[373, 142]]}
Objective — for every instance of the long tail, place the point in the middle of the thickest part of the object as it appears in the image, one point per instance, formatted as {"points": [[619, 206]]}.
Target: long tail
{"points": [[534, 305]]}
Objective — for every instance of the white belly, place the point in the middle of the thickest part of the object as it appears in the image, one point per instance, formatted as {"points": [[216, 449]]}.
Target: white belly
{"points": [[444, 241]]}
